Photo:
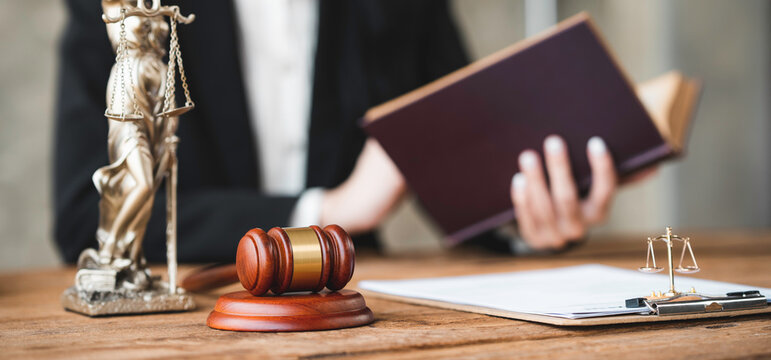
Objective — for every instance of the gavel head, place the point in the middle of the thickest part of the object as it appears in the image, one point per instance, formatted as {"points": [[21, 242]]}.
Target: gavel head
{"points": [[295, 259]]}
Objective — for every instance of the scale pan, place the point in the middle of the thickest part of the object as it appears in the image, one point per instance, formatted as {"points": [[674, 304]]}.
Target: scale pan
{"points": [[687, 269], [176, 112], [650, 269], [123, 117]]}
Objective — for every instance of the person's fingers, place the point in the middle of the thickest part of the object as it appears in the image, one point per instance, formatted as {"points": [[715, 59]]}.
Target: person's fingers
{"points": [[538, 199], [525, 221], [596, 206], [563, 189]]}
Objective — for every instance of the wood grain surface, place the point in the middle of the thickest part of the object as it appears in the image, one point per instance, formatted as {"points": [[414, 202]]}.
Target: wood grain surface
{"points": [[33, 324]]}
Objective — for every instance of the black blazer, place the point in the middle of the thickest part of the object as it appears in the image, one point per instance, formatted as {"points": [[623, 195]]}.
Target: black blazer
{"points": [[368, 51]]}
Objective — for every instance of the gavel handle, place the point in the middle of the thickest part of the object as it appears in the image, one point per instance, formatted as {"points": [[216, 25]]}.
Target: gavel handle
{"points": [[210, 277]]}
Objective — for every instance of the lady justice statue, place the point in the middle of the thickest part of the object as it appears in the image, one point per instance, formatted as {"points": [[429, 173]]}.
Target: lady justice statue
{"points": [[141, 144]]}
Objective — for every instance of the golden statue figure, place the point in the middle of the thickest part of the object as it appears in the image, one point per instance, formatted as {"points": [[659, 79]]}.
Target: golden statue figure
{"points": [[141, 146]]}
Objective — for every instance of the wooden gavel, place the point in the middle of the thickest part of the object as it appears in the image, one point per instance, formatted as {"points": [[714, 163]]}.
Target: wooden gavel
{"points": [[291, 260], [295, 259], [285, 260]]}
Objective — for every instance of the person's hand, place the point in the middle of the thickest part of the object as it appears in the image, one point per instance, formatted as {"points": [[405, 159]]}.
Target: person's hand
{"points": [[371, 191], [551, 216]]}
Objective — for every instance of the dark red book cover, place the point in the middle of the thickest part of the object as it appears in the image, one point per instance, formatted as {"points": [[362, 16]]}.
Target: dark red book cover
{"points": [[457, 139]]}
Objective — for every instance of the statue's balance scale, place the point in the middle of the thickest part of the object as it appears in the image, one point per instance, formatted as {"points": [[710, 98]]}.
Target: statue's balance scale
{"points": [[114, 279]]}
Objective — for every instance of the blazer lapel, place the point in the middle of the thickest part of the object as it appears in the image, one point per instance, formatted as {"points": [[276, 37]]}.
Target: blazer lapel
{"points": [[210, 52], [339, 97]]}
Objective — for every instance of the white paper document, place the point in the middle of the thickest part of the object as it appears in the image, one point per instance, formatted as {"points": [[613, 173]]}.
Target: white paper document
{"points": [[571, 292]]}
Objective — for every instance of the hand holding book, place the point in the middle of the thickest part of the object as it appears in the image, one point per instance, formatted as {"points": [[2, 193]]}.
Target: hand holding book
{"points": [[549, 215], [454, 139], [552, 215]]}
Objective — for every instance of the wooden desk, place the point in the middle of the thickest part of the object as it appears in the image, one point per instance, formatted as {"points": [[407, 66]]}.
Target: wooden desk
{"points": [[33, 324]]}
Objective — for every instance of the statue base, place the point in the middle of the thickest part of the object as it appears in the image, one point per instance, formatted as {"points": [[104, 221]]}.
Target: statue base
{"points": [[124, 301]]}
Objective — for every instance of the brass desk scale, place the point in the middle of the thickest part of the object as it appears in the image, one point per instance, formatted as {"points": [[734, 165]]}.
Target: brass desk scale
{"points": [[142, 148], [673, 302]]}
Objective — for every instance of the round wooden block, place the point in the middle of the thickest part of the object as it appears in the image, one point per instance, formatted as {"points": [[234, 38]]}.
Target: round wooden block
{"points": [[242, 311]]}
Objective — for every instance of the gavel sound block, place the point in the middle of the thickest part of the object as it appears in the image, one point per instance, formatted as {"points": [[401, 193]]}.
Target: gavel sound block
{"points": [[292, 260]]}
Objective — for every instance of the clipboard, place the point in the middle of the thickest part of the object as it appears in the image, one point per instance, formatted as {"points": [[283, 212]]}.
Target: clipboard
{"points": [[553, 320]]}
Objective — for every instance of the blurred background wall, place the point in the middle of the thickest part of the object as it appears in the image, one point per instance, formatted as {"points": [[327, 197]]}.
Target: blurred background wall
{"points": [[722, 183], [28, 31]]}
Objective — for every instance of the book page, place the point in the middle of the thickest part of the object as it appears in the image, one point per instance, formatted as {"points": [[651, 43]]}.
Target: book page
{"points": [[659, 96], [571, 292]]}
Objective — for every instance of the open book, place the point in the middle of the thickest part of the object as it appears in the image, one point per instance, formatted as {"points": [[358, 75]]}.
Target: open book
{"points": [[456, 140]]}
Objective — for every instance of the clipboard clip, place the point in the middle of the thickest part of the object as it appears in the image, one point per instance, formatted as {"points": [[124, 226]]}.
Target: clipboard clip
{"points": [[693, 303]]}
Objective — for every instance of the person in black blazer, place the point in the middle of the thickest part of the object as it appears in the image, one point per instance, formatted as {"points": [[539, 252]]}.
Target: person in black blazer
{"points": [[368, 51]]}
